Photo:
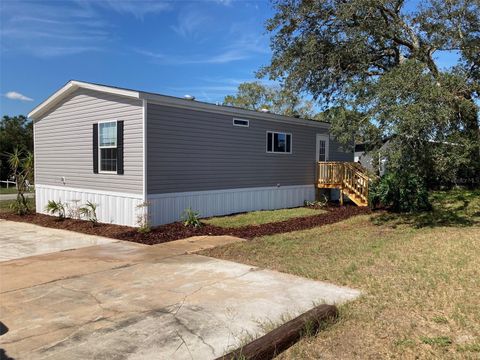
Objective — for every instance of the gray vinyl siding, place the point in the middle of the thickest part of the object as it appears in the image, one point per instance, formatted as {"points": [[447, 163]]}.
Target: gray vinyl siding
{"points": [[63, 142], [191, 150]]}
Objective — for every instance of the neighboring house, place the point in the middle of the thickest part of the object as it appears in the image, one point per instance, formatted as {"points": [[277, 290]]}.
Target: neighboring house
{"points": [[365, 158], [120, 148]]}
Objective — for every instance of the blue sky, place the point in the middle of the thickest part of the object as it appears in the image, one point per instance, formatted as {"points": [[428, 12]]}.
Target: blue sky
{"points": [[176, 48], [203, 48]]}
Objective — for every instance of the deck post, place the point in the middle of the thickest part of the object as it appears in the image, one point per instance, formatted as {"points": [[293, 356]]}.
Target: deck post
{"points": [[341, 197]]}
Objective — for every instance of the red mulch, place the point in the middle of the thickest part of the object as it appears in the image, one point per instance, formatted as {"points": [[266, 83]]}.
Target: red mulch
{"points": [[177, 230]]}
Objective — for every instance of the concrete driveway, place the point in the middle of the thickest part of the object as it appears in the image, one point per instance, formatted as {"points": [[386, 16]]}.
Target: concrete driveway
{"points": [[120, 300], [19, 240]]}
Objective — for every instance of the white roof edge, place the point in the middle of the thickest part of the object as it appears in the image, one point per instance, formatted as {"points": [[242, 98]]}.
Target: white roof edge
{"points": [[73, 85]]}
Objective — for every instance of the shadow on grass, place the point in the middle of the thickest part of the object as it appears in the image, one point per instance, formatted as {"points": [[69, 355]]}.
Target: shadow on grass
{"points": [[455, 208]]}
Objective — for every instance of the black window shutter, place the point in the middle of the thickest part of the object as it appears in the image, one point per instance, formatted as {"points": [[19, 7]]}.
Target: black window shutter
{"points": [[120, 147], [95, 148]]}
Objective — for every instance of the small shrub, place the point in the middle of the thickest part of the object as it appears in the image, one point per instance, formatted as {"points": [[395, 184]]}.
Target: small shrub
{"points": [[143, 219], [89, 211], [316, 204], [56, 207], [400, 193], [19, 207], [191, 218]]}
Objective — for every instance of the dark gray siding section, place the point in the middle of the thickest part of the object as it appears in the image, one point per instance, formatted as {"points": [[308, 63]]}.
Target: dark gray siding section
{"points": [[191, 150], [339, 152], [63, 142]]}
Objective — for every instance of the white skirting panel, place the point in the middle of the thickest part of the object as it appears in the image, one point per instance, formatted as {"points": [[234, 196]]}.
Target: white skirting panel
{"points": [[113, 208], [167, 208]]}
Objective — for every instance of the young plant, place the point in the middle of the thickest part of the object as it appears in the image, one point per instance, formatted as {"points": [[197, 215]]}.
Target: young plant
{"points": [[316, 204], [143, 219], [56, 207], [89, 211], [73, 209], [191, 218], [21, 165]]}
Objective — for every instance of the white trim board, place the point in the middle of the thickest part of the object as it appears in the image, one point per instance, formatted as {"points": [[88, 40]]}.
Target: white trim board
{"points": [[100, 192], [144, 148]]}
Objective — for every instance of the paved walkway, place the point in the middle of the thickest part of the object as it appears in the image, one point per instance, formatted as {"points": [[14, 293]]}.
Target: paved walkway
{"points": [[129, 301]]}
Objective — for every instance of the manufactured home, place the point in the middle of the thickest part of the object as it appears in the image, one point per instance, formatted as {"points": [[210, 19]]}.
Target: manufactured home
{"points": [[134, 153]]}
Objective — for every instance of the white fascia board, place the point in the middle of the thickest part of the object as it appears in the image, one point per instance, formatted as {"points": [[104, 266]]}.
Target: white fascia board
{"points": [[74, 85]]}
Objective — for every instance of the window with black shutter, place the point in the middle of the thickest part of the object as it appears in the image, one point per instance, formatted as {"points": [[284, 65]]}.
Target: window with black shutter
{"points": [[108, 147]]}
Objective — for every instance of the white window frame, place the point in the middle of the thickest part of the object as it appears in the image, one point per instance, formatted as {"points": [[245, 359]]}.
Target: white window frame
{"points": [[273, 147], [100, 147], [239, 125]]}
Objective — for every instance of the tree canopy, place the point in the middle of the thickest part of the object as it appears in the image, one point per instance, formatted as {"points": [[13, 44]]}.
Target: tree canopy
{"points": [[15, 132], [284, 101], [380, 58]]}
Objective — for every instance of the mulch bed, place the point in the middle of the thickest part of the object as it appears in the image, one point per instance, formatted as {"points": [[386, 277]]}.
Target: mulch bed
{"points": [[177, 230]]}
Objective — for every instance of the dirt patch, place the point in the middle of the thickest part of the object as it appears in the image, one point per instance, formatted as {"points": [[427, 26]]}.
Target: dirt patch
{"points": [[177, 230]]}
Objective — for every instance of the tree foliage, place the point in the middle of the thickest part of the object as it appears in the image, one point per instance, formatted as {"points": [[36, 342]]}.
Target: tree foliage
{"points": [[15, 132], [255, 96], [379, 59]]}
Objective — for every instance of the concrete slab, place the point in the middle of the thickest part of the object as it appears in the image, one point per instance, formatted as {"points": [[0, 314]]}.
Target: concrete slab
{"points": [[18, 240], [122, 300]]}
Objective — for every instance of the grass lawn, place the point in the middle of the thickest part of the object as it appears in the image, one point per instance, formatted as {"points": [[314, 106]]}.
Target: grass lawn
{"points": [[5, 204], [10, 190], [261, 217], [420, 278]]}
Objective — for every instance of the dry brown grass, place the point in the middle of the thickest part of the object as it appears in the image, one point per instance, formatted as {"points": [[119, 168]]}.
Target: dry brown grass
{"points": [[421, 285]]}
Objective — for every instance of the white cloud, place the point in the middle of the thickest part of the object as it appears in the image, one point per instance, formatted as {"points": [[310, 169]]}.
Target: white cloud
{"points": [[53, 29], [245, 46], [13, 95], [190, 21], [138, 9]]}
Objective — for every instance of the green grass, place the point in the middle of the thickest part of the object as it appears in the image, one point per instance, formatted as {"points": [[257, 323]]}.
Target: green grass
{"points": [[5, 205], [261, 217], [450, 208], [419, 276], [10, 190]]}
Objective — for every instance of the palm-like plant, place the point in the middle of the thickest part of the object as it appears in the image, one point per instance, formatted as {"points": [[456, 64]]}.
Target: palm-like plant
{"points": [[21, 164], [56, 207], [89, 210]]}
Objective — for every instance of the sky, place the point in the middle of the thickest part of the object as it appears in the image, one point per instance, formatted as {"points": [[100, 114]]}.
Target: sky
{"points": [[201, 48]]}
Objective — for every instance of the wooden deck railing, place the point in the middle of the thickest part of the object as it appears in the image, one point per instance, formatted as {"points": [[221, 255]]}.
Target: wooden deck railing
{"points": [[330, 173], [350, 178]]}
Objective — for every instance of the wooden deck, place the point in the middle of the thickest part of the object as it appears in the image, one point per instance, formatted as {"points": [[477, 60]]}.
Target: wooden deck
{"points": [[349, 177]]}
